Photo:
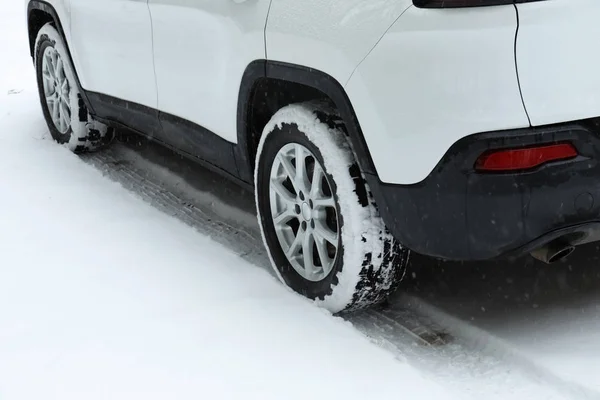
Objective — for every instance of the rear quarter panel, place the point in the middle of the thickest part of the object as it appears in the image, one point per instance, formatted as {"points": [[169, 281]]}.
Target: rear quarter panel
{"points": [[558, 59], [330, 36], [434, 78]]}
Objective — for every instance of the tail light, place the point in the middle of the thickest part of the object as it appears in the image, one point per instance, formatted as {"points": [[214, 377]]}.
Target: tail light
{"points": [[507, 160]]}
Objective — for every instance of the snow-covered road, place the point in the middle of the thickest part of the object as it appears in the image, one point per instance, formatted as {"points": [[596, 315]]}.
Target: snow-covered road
{"points": [[135, 274], [103, 296]]}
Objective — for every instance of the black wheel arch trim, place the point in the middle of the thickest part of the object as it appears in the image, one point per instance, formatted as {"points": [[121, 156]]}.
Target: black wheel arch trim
{"points": [[50, 10], [306, 76]]}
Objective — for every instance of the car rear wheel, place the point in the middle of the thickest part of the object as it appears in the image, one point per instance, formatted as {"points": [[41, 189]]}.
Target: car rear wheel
{"points": [[319, 221], [65, 113]]}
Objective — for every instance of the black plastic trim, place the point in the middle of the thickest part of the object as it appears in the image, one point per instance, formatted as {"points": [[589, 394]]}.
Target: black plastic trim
{"points": [[466, 3], [310, 77], [48, 9], [255, 71], [335, 91], [198, 141], [131, 115], [184, 137], [459, 214], [460, 3]]}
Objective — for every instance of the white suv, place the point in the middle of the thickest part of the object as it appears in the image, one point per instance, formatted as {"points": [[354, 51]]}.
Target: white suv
{"points": [[460, 129]]}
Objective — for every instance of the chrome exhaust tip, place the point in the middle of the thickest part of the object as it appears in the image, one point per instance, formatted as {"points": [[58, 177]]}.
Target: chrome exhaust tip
{"points": [[554, 251]]}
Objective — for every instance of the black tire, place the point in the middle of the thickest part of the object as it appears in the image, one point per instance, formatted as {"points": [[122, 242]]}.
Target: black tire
{"points": [[84, 133], [370, 263]]}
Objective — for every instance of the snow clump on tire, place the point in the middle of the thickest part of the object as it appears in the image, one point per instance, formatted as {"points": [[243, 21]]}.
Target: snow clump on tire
{"points": [[373, 261]]}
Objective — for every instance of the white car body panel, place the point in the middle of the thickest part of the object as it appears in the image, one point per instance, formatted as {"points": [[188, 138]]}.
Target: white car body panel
{"points": [[202, 49], [330, 36], [557, 67], [436, 77], [111, 41]]}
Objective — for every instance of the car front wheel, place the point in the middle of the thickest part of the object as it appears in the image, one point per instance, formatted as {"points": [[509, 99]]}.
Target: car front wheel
{"points": [[65, 113]]}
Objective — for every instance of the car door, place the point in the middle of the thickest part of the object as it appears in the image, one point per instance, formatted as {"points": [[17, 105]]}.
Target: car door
{"points": [[201, 50], [112, 46]]}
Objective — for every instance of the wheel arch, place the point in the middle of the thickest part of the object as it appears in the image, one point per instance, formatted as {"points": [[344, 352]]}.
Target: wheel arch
{"points": [[313, 84], [39, 13]]}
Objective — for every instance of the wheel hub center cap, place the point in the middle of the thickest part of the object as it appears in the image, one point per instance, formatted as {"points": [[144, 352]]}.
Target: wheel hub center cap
{"points": [[306, 212]]}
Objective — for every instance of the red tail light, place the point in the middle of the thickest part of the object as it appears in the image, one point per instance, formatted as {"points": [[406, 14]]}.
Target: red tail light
{"points": [[523, 159]]}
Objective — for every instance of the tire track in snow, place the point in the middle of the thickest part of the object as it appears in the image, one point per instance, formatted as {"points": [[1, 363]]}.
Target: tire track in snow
{"points": [[457, 362], [460, 358], [486, 343], [118, 163]]}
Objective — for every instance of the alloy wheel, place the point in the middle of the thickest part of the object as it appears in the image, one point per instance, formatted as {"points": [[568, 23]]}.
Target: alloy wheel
{"points": [[56, 89], [304, 212]]}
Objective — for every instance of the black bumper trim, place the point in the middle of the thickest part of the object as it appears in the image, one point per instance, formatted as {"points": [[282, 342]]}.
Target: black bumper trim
{"points": [[459, 214]]}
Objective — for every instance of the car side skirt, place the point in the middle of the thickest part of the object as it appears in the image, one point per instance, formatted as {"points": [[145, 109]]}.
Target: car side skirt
{"points": [[184, 137]]}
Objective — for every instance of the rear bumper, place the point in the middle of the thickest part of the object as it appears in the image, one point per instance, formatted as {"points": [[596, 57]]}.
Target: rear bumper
{"points": [[458, 214]]}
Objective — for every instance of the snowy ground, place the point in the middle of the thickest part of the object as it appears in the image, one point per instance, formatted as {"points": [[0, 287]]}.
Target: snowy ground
{"points": [[544, 318], [135, 274], [104, 296]]}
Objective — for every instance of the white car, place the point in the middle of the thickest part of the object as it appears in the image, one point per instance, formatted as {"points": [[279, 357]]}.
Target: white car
{"points": [[460, 129]]}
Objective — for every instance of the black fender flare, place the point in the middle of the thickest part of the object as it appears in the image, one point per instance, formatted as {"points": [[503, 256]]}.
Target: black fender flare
{"points": [[49, 9], [311, 77]]}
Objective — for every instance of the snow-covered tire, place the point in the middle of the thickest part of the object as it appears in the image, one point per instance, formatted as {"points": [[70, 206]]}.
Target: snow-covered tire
{"points": [[368, 263], [69, 121]]}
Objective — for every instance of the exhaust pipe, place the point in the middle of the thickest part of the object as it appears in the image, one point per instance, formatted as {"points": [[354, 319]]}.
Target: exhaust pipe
{"points": [[553, 251]]}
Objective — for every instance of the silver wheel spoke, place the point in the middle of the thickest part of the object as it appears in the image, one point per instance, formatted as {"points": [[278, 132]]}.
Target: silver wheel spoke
{"points": [[60, 73], [288, 167], [316, 190], [56, 89], [301, 177], [296, 245], [65, 115], [325, 233], [324, 202], [50, 66], [54, 63], [47, 89], [307, 253], [285, 194], [321, 245], [317, 180], [61, 118], [47, 77], [55, 112], [65, 91], [284, 217]]}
